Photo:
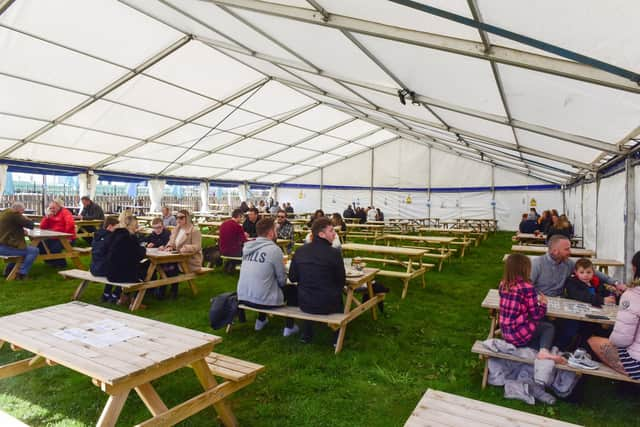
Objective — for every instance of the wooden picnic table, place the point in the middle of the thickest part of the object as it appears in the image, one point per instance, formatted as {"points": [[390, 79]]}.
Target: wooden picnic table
{"points": [[351, 220], [414, 259], [442, 245], [526, 238], [601, 264], [37, 235], [363, 229], [86, 227], [121, 353], [437, 408], [462, 233], [541, 250]]}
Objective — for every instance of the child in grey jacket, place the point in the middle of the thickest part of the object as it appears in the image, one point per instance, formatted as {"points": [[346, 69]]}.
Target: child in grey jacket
{"points": [[262, 275]]}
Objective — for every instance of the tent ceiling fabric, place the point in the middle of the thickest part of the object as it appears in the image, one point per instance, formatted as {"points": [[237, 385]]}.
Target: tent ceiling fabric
{"points": [[270, 91]]}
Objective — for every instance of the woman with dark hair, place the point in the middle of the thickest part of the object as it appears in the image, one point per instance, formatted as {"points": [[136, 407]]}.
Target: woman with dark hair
{"points": [[621, 351], [337, 221], [560, 226], [244, 207], [319, 213]]}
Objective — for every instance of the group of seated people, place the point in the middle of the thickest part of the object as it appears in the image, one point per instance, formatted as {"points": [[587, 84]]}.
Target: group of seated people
{"points": [[364, 214], [270, 206], [549, 223], [58, 218], [317, 268], [526, 285], [118, 251]]}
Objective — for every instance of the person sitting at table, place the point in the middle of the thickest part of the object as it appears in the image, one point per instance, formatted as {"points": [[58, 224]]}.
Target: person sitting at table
{"points": [[249, 224], [348, 213], [522, 310], [124, 256], [159, 235], [561, 226], [244, 207], [89, 211], [362, 215], [319, 271], [12, 243], [544, 221], [621, 351], [186, 239], [583, 285], [319, 213], [371, 214], [289, 208], [262, 275], [167, 218], [231, 238], [262, 206], [535, 214], [58, 219], [274, 208], [284, 229], [549, 273], [528, 225], [99, 250], [379, 215], [337, 221]]}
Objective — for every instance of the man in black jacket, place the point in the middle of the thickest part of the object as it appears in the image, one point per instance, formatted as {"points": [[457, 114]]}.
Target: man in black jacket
{"points": [[99, 249], [249, 225], [89, 210], [348, 213], [319, 270]]}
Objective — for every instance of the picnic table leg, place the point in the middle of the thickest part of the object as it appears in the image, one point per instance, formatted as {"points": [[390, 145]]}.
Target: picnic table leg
{"points": [[137, 301], [112, 410], [405, 287], [341, 334], [374, 309], [208, 381], [186, 269], [151, 399], [14, 271], [485, 372], [68, 249], [76, 295]]}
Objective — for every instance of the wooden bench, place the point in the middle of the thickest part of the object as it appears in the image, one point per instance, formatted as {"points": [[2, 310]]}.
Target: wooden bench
{"points": [[438, 253], [405, 276], [336, 321], [86, 277], [604, 371], [226, 259], [437, 408], [7, 420], [236, 373], [83, 251], [17, 261]]}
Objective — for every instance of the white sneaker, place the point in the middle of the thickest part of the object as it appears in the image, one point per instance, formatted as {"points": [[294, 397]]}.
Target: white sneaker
{"points": [[260, 324], [290, 331], [581, 359]]}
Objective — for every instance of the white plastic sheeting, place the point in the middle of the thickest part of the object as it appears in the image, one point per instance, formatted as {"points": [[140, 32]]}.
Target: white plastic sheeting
{"points": [[302, 199], [156, 189], [204, 197], [3, 177], [589, 214], [288, 93], [338, 200], [610, 209], [88, 184]]}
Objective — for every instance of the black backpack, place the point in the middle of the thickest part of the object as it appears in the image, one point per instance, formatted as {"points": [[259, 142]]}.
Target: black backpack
{"points": [[224, 309]]}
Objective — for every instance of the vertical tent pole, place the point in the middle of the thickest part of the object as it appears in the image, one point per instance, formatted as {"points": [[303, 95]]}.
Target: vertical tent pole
{"points": [[564, 199], [629, 215], [429, 187], [493, 191], [582, 210], [371, 181], [321, 188]]}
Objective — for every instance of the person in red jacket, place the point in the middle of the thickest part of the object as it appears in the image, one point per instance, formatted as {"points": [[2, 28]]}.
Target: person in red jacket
{"points": [[58, 219], [232, 237]]}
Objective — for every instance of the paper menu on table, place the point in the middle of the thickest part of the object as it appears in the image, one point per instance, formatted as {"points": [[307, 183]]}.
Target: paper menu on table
{"points": [[99, 334]]}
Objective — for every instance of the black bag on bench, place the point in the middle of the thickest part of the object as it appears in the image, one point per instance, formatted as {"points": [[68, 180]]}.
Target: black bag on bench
{"points": [[224, 308]]}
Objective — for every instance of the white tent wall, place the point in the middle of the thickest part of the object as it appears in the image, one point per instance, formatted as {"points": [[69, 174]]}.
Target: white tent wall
{"points": [[454, 171], [637, 216], [402, 204], [510, 205], [589, 209], [337, 200], [302, 199], [610, 217], [355, 171]]}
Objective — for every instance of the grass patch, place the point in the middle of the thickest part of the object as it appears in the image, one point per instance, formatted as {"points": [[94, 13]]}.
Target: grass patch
{"points": [[421, 342]]}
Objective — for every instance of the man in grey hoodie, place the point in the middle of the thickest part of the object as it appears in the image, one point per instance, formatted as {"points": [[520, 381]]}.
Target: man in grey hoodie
{"points": [[262, 275]]}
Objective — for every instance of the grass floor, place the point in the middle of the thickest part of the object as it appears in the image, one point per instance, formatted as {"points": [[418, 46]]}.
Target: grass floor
{"points": [[421, 342]]}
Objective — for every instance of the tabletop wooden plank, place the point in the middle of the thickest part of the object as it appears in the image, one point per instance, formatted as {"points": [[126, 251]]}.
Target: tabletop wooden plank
{"points": [[38, 233], [427, 239], [562, 308], [540, 250], [391, 250], [595, 261]]}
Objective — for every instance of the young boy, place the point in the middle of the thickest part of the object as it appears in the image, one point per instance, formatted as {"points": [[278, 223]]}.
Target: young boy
{"points": [[99, 249], [584, 286]]}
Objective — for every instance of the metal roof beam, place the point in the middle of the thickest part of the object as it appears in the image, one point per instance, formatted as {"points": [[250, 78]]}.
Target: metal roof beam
{"points": [[502, 55]]}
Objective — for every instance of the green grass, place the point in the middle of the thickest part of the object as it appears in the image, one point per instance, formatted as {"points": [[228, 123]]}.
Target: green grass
{"points": [[421, 342]]}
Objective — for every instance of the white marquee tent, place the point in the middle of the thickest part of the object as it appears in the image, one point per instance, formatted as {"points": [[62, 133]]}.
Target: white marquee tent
{"points": [[432, 107]]}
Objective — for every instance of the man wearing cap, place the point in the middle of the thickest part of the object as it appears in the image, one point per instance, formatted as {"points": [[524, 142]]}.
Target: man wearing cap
{"points": [[12, 243]]}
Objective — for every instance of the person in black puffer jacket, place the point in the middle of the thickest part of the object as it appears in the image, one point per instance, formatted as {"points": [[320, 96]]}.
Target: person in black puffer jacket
{"points": [[124, 255], [318, 269], [99, 250]]}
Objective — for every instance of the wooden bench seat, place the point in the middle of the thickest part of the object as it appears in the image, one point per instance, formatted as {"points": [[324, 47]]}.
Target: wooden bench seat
{"points": [[405, 276], [86, 277], [82, 251], [230, 368], [604, 371], [17, 260], [334, 320], [437, 408], [438, 253]]}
